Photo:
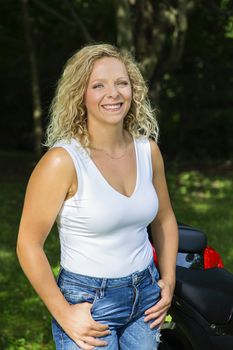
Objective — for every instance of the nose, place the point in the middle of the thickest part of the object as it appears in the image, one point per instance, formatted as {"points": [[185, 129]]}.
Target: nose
{"points": [[112, 91]]}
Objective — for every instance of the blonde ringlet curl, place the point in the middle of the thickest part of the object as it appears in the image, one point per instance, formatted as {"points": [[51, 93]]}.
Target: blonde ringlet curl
{"points": [[68, 117]]}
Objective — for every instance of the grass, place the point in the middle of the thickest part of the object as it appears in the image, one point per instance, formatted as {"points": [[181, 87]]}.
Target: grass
{"points": [[201, 199], [205, 201], [24, 321]]}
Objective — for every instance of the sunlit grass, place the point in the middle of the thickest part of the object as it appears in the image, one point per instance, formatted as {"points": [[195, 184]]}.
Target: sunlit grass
{"points": [[206, 202], [202, 201]]}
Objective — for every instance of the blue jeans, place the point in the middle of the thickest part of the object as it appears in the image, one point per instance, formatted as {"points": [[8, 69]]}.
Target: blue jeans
{"points": [[118, 302]]}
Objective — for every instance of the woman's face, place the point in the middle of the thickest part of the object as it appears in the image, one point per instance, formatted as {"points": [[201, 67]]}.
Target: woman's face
{"points": [[109, 93]]}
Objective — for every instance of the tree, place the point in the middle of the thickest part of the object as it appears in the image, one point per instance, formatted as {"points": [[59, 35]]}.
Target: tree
{"points": [[184, 48], [156, 32], [37, 108]]}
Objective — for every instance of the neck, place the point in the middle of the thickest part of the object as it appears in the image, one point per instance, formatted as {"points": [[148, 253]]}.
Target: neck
{"points": [[108, 138]]}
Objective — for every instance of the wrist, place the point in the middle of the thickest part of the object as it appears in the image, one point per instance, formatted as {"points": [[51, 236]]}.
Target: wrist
{"points": [[170, 280], [60, 310]]}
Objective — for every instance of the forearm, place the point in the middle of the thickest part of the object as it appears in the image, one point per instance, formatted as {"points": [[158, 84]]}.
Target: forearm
{"points": [[37, 269], [165, 240]]}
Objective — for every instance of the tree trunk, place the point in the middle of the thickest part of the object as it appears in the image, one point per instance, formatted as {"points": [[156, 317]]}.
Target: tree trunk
{"points": [[161, 38], [77, 22], [84, 30], [36, 100], [124, 25]]}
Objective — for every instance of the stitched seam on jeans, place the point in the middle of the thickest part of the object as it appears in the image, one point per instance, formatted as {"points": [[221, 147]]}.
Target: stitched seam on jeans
{"points": [[95, 300], [65, 283], [129, 284], [152, 275], [134, 302], [102, 288]]}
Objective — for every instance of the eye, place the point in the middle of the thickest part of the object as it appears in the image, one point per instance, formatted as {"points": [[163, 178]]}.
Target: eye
{"points": [[97, 86], [123, 83]]}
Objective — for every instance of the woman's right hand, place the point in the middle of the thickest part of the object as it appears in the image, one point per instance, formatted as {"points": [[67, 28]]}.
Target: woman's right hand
{"points": [[82, 328], [50, 183]]}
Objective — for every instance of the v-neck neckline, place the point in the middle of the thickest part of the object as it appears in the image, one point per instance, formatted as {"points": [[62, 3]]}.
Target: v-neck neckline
{"points": [[104, 178]]}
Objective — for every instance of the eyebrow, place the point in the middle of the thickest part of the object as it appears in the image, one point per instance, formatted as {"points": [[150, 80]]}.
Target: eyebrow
{"points": [[103, 80]]}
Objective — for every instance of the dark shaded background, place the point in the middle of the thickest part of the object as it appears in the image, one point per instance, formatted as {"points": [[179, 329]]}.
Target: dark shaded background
{"points": [[195, 97]]}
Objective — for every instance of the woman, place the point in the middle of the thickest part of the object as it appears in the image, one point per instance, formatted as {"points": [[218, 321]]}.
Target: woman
{"points": [[103, 182]]}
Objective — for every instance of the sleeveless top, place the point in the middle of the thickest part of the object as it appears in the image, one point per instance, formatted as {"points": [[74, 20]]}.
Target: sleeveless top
{"points": [[103, 232]]}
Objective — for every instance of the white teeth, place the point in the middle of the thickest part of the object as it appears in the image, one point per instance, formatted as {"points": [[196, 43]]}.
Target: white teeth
{"points": [[112, 107]]}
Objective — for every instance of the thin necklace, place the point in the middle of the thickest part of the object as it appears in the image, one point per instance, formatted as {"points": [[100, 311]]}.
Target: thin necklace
{"points": [[109, 155]]}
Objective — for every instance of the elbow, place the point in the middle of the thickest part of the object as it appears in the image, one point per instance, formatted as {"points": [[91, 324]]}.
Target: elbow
{"points": [[25, 252], [19, 249], [23, 248], [27, 247]]}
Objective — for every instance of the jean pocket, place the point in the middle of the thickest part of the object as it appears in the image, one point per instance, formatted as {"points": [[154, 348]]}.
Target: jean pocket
{"points": [[79, 294], [154, 277]]}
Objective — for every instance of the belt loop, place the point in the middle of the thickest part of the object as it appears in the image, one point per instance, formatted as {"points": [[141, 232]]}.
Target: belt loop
{"points": [[151, 273], [102, 288]]}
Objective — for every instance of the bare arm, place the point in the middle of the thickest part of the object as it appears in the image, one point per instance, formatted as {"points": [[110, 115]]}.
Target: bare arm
{"points": [[164, 227], [44, 196], [51, 182], [164, 232]]}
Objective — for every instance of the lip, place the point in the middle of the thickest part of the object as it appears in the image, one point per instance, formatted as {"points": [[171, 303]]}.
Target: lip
{"points": [[112, 107]]}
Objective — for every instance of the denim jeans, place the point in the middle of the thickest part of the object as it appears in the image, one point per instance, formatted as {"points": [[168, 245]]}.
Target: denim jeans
{"points": [[118, 302]]}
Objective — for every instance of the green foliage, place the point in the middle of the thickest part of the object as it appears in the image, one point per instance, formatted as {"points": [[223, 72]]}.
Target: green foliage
{"points": [[229, 28], [24, 321], [196, 97], [205, 201]]}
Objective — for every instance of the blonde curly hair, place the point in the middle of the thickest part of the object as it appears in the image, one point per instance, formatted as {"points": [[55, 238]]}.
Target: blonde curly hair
{"points": [[68, 117]]}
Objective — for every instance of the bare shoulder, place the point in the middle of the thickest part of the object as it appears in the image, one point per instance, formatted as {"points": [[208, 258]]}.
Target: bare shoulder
{"points": [[156, 156], [154, 147], [56, 158], [47, 189], [55, 163]]}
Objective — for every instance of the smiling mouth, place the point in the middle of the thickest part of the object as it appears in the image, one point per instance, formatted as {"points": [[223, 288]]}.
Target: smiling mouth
{"points": [[112, 106]]}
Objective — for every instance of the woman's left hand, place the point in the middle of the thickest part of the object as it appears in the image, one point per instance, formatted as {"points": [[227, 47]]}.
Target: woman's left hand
{"points": [[158, 312]]}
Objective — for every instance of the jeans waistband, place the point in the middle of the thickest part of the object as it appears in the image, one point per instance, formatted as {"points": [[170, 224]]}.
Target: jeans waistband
{"points": [[97, 282]]}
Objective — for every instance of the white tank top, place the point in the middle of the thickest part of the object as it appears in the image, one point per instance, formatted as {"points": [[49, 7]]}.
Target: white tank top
{"points": [[103, 232]]}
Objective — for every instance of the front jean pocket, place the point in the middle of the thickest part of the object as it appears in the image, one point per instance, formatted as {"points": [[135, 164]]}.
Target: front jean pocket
{"points": [[76, 294], [156, 281], [154, 277]]}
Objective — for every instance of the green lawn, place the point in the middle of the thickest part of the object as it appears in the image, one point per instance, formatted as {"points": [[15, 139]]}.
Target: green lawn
{"points": [[199, 198], [205, 201]]}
